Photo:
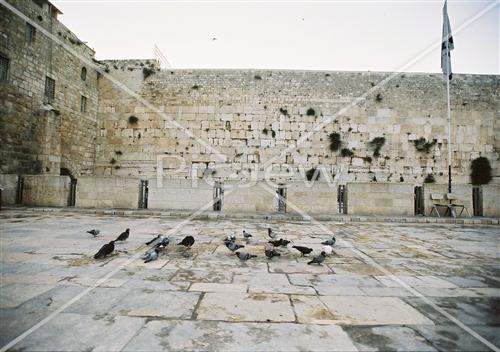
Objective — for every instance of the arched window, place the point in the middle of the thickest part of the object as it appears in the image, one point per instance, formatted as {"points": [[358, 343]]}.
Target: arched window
{"points": [[83, 74]]}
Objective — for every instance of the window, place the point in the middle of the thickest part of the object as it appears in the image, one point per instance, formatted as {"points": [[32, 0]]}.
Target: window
{"points": [[50, 88], [30, 33], [83, 74], [4, 68], [83, 104]]}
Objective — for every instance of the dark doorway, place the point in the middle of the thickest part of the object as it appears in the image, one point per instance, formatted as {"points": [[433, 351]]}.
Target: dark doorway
{"points": [[19, 190], [72, 193], [342, 199], [218, 196], [281, 199], [477, 200], [143, 194], [419, 200]]}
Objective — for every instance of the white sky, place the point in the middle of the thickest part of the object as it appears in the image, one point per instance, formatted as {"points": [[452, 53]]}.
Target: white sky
{"points": [[320, 35]]}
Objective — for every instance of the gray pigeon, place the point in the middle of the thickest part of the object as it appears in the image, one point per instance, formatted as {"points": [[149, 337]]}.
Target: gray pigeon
{"points": [[271, 252], [232, 246], [246, 235], [244, 256], [164, 241], [318, 259], [153, 255], [94, 232], [230, 238], [330, 242]]}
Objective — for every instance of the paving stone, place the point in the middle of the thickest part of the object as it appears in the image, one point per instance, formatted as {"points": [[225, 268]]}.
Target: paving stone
{"points": [[14, 294], [373, 310], [293, 267], [223, 336], [310, 310], [82, 332], [245, 307], [387, 338], [156, 303], [210, 287], [221, 277]]}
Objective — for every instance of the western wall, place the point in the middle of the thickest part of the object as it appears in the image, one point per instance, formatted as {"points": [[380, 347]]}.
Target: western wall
{"points": [[197, 130]]}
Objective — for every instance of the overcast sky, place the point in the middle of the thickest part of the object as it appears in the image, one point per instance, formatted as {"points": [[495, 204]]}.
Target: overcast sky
{"points": [[334, 35]]}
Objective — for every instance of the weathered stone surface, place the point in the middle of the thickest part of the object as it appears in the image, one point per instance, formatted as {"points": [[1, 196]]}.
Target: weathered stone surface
{"points": [[373, 310], [222, 336], [245, 307]]}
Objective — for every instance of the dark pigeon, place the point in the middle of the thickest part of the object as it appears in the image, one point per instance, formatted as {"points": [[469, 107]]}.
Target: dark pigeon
{"points": [[187, 242], [94, 232], [163, 243], [154, 239], [303, 250], [318, 259], [105, 250], [244, 256], [271, 252], [153, 255], [233, 246], [124, 235], [279, 243], [330, 242], [270, 233]]}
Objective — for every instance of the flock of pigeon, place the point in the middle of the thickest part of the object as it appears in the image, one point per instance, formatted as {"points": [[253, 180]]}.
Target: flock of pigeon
{"points": [[159, 243]]}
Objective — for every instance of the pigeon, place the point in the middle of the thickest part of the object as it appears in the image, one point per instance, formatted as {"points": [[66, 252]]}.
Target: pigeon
{"points": [[187, 242], [232, 246], [280, 243], [318, 259], [271, 252], [108, 248], [153, 255], [163, 243], [94, 232], [303, 250], [246, 235], [230, 238], [330, 242], [154, 239], [124, 235], [328, 250], [270, 233], [244, 256]]}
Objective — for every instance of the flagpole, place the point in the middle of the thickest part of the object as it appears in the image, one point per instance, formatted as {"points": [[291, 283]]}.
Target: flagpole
{"points": [[449, 122]]}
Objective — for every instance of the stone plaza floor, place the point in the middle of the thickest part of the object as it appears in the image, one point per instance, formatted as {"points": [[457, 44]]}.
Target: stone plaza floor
{"points": [[386, 287]]}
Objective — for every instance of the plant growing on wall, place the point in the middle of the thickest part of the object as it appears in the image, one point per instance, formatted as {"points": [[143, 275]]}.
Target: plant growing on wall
{"points": [[422, 145], [376, 143], [481, 171], [429, 179], [133, 119], [257, 77], [112, 161], [311, 173], [273, 133], [378, 98], [346, 152], [147, 71], [265, 131], [368, 159], [310, 112], [284, 111], [195, 87], [335, 141]]}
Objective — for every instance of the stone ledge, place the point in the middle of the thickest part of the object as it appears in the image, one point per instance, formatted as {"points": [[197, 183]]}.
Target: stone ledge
{"points": [[275, 217]]}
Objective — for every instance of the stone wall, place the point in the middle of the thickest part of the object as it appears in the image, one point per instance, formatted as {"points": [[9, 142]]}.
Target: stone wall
{"points": [[38, 135], [107, 192], [491, 195], [380, 199], [46, 190], [250, 117], [179, 194], [8, 183]]}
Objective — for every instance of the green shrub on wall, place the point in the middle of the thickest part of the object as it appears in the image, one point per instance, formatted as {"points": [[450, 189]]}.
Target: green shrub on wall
{"points": [[377, 143], [481, 171], [335, 141]]}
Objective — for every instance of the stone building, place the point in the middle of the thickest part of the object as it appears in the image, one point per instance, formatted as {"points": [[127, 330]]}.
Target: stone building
{"points": [[130, 135]]}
